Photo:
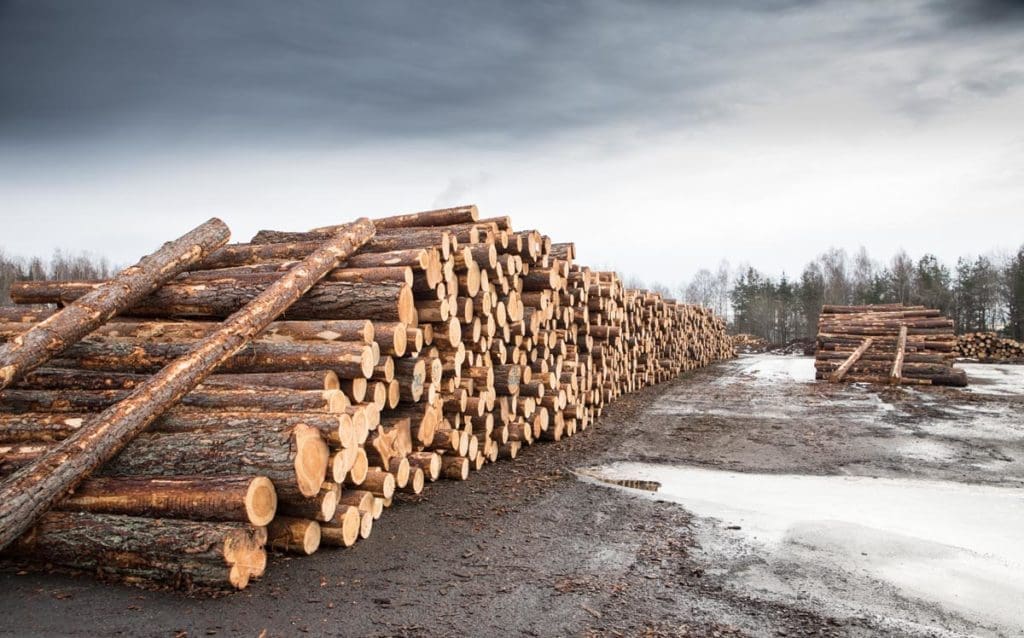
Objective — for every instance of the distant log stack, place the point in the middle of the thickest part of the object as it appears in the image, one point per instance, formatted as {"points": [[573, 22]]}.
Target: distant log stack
{"points": [[892, 344], [989, 347], [445, 343]]}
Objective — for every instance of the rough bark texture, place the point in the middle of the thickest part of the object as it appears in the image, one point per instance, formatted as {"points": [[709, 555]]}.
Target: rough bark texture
{"points": [[32, 490], [184, 330], [64, 328], [251, 399], [387, 301], [292, 457], [347, 358], [184, 554], [439, 217], [42, 427], [243, 499]]}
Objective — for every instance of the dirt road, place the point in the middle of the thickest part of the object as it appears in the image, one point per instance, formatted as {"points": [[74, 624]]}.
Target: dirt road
{"points": [[527, 548]]}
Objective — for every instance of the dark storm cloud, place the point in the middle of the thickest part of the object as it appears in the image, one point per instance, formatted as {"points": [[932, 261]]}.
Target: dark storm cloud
{"points": [[970, 13], [356, 69], [368, 70]]}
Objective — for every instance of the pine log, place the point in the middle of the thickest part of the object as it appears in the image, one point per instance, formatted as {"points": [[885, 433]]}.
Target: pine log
{"points": [[347, 359], [343, 529], [253, 399], [34, 488], [455, 467], [221, 298], [244, 499], [439, 217], [57, 332], [319, 507], [180, 553], [294, 535], [842, 369], [901, 347]]}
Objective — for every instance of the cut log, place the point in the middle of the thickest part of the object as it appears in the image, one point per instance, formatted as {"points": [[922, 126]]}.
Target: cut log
{"points": [[254, 399], [221, 298], [440, 217], [320, 507], [294, 535], [343, 529], [33, 489], [183, 554], [901, 347], [244, 499], [852, 359], [57, 332], [455, 467], [346, 358]]}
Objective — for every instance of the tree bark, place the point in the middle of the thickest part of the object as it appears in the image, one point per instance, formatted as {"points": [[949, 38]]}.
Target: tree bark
{"points": [[389, 301], [35, 488], [294, 535], [251, 399], [439, 217], [291, 456], [346, 358], [343, 529], [244, 499], [57, 332], [183, 554]]}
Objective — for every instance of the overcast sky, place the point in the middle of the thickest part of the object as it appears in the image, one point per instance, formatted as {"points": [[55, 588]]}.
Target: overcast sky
{"points": [[659, 136]]}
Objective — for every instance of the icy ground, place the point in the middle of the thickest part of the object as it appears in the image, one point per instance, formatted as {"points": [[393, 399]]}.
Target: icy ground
{"points": [[902, 504], [955, 545]]}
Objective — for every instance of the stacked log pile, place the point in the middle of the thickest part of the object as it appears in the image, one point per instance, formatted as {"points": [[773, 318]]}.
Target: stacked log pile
{"points": [[749, 344], [988, 346], [894, 344], [445, 343]]}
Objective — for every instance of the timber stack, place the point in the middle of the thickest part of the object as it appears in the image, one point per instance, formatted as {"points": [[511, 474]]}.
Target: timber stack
{"points": [[888, 343], [439, 344], [988, 346]]}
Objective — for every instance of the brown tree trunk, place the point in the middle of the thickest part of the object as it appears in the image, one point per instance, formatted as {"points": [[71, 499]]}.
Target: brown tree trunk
{"points": [[346, 358], [243, 499], [35, 488], [290, 456], [252, 399], [64, 328], [184, 554], [439, 217], [389, 301]]}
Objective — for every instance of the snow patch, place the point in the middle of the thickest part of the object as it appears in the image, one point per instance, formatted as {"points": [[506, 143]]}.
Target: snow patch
{"points": [[997, 379], [952, 544], [773, 368]]}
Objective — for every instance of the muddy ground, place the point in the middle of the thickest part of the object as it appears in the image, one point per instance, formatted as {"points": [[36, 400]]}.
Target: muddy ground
{"points": [[525, 548]]}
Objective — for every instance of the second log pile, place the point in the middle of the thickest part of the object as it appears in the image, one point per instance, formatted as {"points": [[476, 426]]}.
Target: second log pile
{"points": [[988, 346], [895, 344], [447, 342]]}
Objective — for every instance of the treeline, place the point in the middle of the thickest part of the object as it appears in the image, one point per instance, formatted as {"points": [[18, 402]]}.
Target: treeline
{"points": [[983, 293], [61, 266]]}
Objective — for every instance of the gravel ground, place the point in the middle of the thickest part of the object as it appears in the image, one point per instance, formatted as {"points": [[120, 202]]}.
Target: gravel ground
{"points": [[525, 548]]}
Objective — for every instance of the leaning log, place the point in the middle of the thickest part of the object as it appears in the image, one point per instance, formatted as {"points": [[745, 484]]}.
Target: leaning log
{"points": [[132, 284], [34, 489]]}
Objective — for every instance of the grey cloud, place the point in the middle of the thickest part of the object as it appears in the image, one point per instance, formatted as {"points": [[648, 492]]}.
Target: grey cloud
{"points": [[351, 72], [337, 70], [973, 13]]}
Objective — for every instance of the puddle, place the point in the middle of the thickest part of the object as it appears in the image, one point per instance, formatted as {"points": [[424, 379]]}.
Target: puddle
{"points": [[951, 544]]}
